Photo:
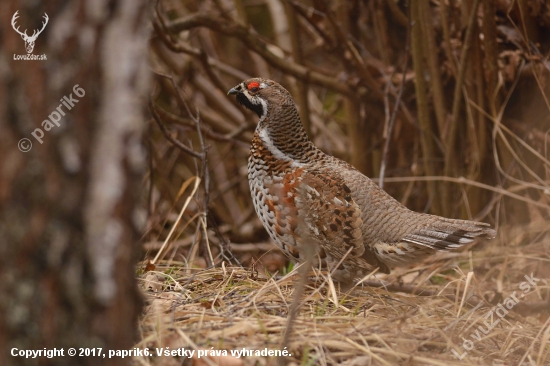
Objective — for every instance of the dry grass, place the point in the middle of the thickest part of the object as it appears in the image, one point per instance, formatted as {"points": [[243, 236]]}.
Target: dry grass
{"points": [[494, 167], [235, 308]]}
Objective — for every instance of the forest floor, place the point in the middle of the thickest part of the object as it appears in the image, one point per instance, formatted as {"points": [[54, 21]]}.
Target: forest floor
{"points": [[489, 305]]}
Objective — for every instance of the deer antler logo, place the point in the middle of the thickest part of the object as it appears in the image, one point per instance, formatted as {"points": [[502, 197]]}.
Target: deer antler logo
{"points": [[29, 41]]}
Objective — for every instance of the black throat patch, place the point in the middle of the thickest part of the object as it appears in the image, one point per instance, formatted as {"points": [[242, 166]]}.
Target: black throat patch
{"points": [[243, 100]]}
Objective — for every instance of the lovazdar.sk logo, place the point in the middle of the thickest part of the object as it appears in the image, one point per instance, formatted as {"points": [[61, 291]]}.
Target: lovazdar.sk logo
{"points": [[29, 40]]}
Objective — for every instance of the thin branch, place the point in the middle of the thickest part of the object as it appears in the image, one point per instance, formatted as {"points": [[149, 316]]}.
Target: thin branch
{"points": [[253, 41], [462, 180], [206, 174], [431, 53], [356, 58], [426, 141], [166, 133], [452, 131], [208, 62], [391, 122], [165, 115]]}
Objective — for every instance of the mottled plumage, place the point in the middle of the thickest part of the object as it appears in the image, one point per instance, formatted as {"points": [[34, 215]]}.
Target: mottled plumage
{"points": [[306, 197]]}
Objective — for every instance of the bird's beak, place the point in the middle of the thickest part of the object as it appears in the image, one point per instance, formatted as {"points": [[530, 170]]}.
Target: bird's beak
{"points": [[232, 91]]}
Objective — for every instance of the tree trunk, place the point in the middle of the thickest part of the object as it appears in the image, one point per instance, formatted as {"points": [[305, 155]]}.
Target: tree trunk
{"points": [[68, 206]]}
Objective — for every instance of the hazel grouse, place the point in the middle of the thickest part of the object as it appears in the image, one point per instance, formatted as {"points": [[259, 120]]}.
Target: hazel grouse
{"points": [[306, 197]]}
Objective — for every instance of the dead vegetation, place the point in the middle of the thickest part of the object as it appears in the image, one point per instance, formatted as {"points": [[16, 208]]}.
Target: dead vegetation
{"points": [[420, 317], [468, 139]]}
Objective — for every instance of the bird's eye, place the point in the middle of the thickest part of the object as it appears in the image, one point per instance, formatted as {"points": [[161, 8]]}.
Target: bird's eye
{"points": [[253, 87]]}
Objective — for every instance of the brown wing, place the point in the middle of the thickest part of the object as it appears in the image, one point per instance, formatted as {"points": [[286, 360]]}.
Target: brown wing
{"points": [[329, 217]]}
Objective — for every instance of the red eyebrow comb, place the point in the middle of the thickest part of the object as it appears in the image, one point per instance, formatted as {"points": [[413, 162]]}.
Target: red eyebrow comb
{"points": [[253, 84]]}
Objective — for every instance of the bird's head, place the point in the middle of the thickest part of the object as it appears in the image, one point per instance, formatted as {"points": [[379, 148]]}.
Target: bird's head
{"points": [[259, 95]]}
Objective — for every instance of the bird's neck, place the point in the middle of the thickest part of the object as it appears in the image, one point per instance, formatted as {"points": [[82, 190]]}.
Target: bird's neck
{"points": [[282, 133]]}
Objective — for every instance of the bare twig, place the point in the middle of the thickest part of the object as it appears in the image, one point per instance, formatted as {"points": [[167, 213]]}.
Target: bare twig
{"points": [[389, 128], [431, 54], [426, 141], [167, 116], [462, 180], [253, 41], [303, 271], [174, 141], [453, 127]]}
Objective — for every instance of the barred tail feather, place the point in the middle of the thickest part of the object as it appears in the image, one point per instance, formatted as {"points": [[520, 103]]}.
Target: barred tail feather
{"points": [[447, 234]]}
